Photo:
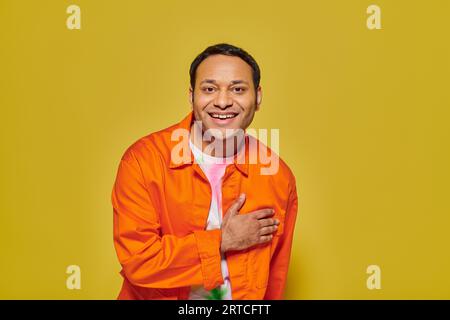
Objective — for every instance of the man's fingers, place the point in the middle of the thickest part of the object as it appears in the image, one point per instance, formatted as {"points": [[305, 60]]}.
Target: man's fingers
{"points": [[260, 214], [268, 230], [268, 222], [264, 239]]}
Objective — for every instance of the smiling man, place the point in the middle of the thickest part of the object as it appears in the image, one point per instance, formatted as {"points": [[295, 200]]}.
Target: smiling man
{"points": [[194, 216]]}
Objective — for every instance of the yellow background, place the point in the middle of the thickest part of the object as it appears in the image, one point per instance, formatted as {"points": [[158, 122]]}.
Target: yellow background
{"points": [[363, 118]]}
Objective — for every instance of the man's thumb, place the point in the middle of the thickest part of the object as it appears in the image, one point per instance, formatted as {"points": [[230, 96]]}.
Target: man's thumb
{"points": [[237, 204]]}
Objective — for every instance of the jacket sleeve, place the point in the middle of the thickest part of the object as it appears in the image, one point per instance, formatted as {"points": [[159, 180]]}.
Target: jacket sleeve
{"points": [[148, 258], [279, 264]]}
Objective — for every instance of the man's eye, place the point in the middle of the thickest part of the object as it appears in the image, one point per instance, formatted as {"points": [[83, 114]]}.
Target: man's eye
{"points": [[238, 89], [208, 89]]}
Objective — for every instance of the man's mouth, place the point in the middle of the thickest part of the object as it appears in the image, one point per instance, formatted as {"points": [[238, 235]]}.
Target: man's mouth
{"points": [[223, 116]]}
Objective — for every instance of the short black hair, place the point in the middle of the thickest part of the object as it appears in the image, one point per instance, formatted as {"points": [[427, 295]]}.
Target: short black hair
{"points": [[228, 50]]}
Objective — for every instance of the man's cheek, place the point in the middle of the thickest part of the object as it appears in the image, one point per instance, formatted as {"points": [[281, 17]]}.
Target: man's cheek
{"points": [[203, 102]]}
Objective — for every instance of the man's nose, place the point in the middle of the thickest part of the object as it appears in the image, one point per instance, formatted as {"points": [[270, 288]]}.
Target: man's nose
{"points": [[223, 100]]}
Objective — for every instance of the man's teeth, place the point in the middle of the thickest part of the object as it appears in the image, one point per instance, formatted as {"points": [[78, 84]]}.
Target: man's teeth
{"points": [[222, 116]]}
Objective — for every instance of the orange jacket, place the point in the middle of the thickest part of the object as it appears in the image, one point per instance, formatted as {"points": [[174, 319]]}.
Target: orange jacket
{"points": [[160, 214]]}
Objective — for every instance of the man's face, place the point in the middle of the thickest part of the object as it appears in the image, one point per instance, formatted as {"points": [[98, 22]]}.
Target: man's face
{"points": [[224, 96]]}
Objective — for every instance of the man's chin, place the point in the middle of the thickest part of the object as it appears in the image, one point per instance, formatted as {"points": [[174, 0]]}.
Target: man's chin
{"points": [[223, 133]]}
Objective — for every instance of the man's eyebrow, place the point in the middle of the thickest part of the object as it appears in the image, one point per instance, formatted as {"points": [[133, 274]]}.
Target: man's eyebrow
{"points": [[238, 81], [208, 81], [214, 81]]}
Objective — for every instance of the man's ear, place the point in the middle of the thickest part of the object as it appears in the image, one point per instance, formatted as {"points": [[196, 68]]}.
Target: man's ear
{"points": [[191, 97], [258, 97]]}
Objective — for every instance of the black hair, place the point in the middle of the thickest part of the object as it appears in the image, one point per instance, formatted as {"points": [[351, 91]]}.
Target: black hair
{"points": [[228, 50]]}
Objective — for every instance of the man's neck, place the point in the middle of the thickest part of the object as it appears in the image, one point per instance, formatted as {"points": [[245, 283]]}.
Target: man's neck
{"points": [[221, 148]]}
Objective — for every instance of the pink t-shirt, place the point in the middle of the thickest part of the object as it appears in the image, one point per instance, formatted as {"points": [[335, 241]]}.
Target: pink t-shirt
{"points": [[214, 169]]}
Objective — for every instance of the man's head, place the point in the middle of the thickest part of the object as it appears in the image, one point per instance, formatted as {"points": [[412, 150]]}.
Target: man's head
{"points": [[224, 83]]}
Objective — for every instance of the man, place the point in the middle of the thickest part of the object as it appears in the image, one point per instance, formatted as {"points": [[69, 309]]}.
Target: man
{"points": [[193, 221]]}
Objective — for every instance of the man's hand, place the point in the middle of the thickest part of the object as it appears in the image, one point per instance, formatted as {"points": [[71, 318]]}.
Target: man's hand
{"points": [[243, 231]]}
